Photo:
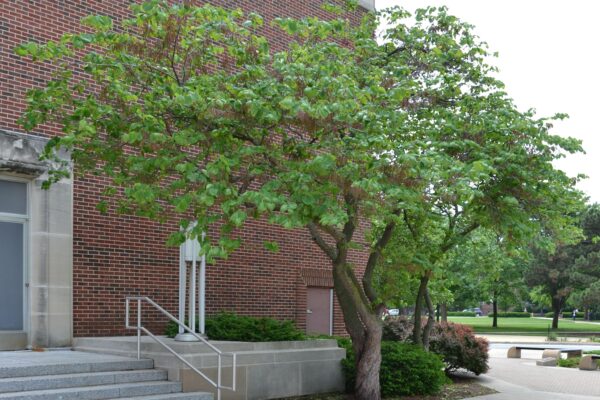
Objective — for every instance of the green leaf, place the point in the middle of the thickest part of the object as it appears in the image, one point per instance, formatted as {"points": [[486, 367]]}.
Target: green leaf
{"points": [[272, 246]]}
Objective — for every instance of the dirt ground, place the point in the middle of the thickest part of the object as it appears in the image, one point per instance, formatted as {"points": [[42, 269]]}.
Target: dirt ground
{"points": [[462, 387]]}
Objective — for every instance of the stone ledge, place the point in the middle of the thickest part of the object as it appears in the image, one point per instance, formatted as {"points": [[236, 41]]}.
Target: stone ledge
{"points": [[546, 362]]}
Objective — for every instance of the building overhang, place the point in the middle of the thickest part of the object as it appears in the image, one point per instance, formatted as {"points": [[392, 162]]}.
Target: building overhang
{"points": [[367, 4]]}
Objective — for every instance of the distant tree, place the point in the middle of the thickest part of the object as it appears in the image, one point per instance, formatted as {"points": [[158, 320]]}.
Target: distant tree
{"points": [[551, 270], [493, 270], [585, 275], [571, 266]]}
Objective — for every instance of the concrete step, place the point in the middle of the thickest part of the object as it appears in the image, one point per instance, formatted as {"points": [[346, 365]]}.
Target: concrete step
{"points": [[74, 368], [46, 382], [123, 390], [174, 396]]}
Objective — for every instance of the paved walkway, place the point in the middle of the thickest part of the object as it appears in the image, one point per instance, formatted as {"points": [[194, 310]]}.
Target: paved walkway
{"points": [[522, 379]]}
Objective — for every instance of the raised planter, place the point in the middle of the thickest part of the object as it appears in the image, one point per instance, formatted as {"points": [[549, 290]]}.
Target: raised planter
{"points": [[265, 370]]}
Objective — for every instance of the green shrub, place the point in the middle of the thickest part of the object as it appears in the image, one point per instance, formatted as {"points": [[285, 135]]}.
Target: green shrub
{"points": [[459, 347], [569, 314], [406, 370], [566, 314], [461, 314], [512, 314], [229, 326], [568, 362], [597, 352]]}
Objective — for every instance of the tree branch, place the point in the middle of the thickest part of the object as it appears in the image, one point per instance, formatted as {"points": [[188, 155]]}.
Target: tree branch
{"points": [[331, 252], [465, 232], [374, 257], [408, 224]]}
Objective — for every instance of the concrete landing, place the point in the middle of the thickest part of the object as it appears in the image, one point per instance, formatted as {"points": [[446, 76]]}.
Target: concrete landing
{"points": [[29, 363]]}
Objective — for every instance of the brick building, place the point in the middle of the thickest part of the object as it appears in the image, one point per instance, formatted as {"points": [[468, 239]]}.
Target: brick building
{"points": [[66, 269]]}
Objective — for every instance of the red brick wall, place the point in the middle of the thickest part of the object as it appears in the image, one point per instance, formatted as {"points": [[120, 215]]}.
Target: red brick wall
{"points": [[115, 255]]}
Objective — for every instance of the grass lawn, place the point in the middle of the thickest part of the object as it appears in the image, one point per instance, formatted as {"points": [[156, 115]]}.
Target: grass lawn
{"points": [[523, 325]]}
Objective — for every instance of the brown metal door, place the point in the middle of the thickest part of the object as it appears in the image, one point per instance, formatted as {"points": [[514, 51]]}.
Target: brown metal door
{"points": [[318, 312]]}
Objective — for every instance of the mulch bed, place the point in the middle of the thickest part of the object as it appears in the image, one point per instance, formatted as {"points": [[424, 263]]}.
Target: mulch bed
{"points": [[463, 386]]}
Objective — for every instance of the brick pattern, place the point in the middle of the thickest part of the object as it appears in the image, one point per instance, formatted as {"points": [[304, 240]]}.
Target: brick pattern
{"points": [[116, 255]]}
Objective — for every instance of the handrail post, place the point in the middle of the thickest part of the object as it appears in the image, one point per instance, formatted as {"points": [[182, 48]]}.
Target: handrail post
{"points": [[218, 385], [127, 312], [218, 377], [139, 327], [233, 367]]}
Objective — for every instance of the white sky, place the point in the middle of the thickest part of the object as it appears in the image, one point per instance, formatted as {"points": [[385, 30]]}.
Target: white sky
{"points": [[549, 59]]}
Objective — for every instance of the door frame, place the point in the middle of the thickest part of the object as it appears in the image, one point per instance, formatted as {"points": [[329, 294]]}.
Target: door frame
{"points": [[22, 219], [331, 312]]}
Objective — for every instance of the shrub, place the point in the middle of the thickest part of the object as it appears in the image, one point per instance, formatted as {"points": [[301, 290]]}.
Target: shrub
{"points": [[406, 370], [461, 314], [397, 328], [566, 314], [459, 347], [229, 326], [455, 343], [568, 362], [569, 314], [512, 314]]}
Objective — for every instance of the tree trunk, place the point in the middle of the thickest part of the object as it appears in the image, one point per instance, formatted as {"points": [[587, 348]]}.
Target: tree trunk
{"points": [[430, 320], [444, 311], [367, 367], [587, 313], [417, 337], [364, 328], [438, 309], [556, 305], [495, 312]]}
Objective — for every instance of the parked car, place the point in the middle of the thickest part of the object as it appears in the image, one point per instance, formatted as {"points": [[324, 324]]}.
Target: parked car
{"points": [[390, 312], [476, 310]]}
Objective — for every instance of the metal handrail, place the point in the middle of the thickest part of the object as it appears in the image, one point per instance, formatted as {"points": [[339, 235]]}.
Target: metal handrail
{"points": [[140, 328]]}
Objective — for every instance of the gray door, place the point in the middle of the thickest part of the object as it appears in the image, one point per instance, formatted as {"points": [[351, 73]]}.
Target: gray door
{"points": [[11, 276], [318, 310], [13, 217]]}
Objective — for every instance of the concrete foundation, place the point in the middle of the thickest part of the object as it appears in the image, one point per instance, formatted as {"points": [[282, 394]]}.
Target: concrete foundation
{"points": [[264, 370]]}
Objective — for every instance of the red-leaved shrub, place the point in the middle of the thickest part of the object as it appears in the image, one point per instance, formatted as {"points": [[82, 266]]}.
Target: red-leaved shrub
{"points": [[397, 328], [456, 343], [459, 347]]}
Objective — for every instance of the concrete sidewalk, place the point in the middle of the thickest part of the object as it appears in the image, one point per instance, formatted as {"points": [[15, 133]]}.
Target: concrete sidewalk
{"points": [[522, 379], [509, 391]]}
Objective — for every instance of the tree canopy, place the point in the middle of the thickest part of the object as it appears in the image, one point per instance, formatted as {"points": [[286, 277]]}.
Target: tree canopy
{"points": [[191, 115]]}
